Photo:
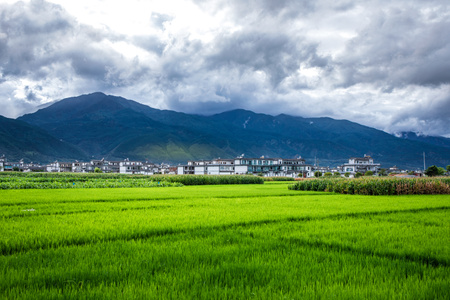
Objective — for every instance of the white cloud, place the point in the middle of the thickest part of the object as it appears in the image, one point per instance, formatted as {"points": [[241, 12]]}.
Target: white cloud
{"points": [[380, 63]]}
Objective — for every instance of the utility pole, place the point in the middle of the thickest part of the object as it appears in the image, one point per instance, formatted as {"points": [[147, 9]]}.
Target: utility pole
{"points": [[424, 163]]}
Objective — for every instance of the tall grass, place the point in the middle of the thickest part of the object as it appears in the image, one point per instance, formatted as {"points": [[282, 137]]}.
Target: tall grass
{"points": [[376, 186]]}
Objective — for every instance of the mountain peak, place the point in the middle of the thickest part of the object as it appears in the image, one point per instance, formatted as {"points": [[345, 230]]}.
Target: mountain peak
{"points": [[114, 127], [81, 106]]}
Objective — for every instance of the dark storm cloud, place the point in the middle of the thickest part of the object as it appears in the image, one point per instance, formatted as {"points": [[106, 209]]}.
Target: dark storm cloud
{"points": [[41, 40], [283, 9], [357, 60], [26, 19], [276, 54], [149, 43], [399, 47], [432, 116], [26, 31], [30, 93]]}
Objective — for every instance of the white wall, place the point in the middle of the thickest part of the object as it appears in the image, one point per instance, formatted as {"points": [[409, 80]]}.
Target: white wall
{"points": [[241, 169], [213, 170], [199, 170]]}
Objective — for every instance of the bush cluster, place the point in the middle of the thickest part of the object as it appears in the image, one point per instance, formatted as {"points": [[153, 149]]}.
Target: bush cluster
{"points": [[210, 179], [278, 179], [26, 183], [376, 186]]}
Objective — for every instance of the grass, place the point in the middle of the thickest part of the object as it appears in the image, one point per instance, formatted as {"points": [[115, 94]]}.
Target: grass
{"points": [[223, 241]]}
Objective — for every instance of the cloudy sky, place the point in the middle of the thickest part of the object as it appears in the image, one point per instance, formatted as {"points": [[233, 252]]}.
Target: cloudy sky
{"points": [[381, 63]]}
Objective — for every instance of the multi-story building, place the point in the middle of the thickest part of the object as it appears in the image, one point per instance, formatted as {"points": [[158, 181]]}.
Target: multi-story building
{"points": [[361, 165], [149, 168], [241, 165], [130, 167], [32, 167], [111, 167], [95, 163], [2, 163], [65, 167], [53, 167], [59, 167], [211, 167], [12, 166]]}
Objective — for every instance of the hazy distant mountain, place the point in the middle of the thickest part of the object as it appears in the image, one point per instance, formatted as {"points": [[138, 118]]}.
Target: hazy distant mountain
{"points": [[116, 128], [21, 140], [334, 141], [433, 140]]}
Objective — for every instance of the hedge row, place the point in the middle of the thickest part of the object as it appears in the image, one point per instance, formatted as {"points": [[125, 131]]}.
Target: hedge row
{"points": [[64, 180], [210, 179], [376, 186], [112, 183], [278, 179]]}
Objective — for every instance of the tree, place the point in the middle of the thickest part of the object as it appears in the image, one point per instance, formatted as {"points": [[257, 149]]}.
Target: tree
{"points": [[383, 172], [328, 174], [434, 171], [301, 175], [358, 174], [337, 174], [347, 174], [97, 170], [448, 169], [317, 174], [368, 173]]}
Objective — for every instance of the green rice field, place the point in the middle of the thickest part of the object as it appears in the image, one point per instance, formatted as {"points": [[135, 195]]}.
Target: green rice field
{"points": [[253, 241]]}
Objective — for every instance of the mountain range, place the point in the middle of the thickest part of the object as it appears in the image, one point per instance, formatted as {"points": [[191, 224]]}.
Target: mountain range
{"points": [[21, 140], [98, 125]]}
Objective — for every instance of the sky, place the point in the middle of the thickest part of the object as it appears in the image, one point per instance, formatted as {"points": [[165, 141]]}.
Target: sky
{"points": [[380, 63]]}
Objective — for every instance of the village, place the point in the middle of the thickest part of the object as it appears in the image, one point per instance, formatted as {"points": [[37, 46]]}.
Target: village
{"points": [[268, 167]]}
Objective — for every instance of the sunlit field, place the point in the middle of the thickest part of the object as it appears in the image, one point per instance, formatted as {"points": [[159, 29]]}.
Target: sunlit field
{"points": [[254, 241]]}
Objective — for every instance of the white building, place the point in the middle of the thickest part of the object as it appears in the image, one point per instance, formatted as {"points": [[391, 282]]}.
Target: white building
{"points": [[59, 167], [2, 163], [241, 165], [130, 167], [150, 168], [53, 167], [361, 165]]}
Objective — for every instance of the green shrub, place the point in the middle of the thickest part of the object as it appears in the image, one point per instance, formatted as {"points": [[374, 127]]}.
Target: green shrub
{"points": [[434, 171], [376, 186], [281, 178]]}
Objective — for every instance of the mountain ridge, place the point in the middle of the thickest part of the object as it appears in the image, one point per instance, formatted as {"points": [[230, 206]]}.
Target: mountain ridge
{"points": [[114, 127], [20, 140]]}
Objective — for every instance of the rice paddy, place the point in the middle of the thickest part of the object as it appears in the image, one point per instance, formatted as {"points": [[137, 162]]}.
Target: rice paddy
{"points": [[259, 241]]}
